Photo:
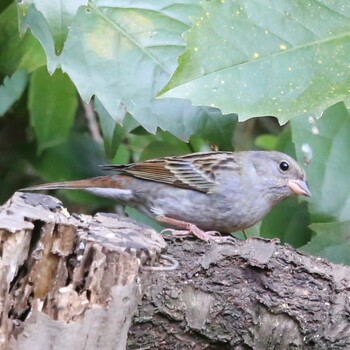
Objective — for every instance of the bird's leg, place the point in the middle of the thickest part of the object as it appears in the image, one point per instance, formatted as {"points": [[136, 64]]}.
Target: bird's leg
{"points": [[245, 234], [187, 229]]}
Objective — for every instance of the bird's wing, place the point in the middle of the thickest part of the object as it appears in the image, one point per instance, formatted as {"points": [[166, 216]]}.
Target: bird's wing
{"points": [[195, 171]]}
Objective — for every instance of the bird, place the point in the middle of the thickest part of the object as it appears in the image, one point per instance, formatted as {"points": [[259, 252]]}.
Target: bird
{"points": [[207, 194]]}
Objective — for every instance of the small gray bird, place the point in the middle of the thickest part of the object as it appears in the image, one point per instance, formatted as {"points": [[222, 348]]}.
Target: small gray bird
{"points": [[200, 193]]}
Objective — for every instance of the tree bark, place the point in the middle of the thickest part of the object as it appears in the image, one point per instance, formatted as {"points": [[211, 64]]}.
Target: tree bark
{"points": [[74, 282], [69, 282], [254, 294]]}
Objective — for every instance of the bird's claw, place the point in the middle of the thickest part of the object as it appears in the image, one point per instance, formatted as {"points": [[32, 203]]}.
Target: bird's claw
{"points": [[174, 233], [194, 230]]}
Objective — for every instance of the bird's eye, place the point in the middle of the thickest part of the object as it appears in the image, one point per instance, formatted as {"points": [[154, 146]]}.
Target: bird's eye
{"points": [[284, 166]]}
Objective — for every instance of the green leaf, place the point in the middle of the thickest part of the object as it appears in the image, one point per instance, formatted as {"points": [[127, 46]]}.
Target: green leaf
{"points": [[331, 241], [217, 130], [327, 143], [162, 148], [57, 14], [289, 222], [266, 141], [77, 158], [52, 104], [16, 52], [113, 132], [4, 4], [260, 58], [12, 90], [124, 53], [122, 155]]}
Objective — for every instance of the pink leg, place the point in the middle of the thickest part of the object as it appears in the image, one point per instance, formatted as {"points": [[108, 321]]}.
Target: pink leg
{"points": [[189, 229]]}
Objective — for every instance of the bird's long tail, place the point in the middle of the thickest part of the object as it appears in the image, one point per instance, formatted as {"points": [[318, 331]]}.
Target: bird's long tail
{"points": [[72, 185], [114, 187]]}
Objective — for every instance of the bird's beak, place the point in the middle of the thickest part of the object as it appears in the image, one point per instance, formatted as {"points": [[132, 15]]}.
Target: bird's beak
{"points": [[299, 187]]}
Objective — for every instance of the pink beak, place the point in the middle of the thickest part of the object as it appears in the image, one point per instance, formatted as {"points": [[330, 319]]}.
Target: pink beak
{"points": [[299, 187]]}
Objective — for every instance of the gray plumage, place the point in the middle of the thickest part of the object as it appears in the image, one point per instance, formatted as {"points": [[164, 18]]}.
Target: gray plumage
{"points": [[222, 191]]}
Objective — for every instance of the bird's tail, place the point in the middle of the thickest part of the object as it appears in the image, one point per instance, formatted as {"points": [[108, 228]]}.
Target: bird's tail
{"points": [[100, 182], [114, 187]]}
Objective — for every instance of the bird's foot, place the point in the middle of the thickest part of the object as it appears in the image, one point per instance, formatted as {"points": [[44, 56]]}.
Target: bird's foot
{"points": [[190, 229], [173, 232]]}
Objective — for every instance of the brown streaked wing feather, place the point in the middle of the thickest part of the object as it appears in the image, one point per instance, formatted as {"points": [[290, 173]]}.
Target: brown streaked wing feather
{"points": [[199, 169], [195, 171], [151, 170]]}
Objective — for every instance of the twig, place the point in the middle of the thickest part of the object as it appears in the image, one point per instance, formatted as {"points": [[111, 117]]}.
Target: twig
{"points": [[92, 122]]}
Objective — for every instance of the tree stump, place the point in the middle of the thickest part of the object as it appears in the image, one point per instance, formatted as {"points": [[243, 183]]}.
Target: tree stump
{"points": [[69, 282]]}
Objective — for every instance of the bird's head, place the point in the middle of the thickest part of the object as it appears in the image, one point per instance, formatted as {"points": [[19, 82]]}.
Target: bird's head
{"points": [[281, 175]]}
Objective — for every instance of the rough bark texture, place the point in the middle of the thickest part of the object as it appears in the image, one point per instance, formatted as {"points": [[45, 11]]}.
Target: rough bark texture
{"points": [[74, 282], [254, 294], [69, 282]]}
